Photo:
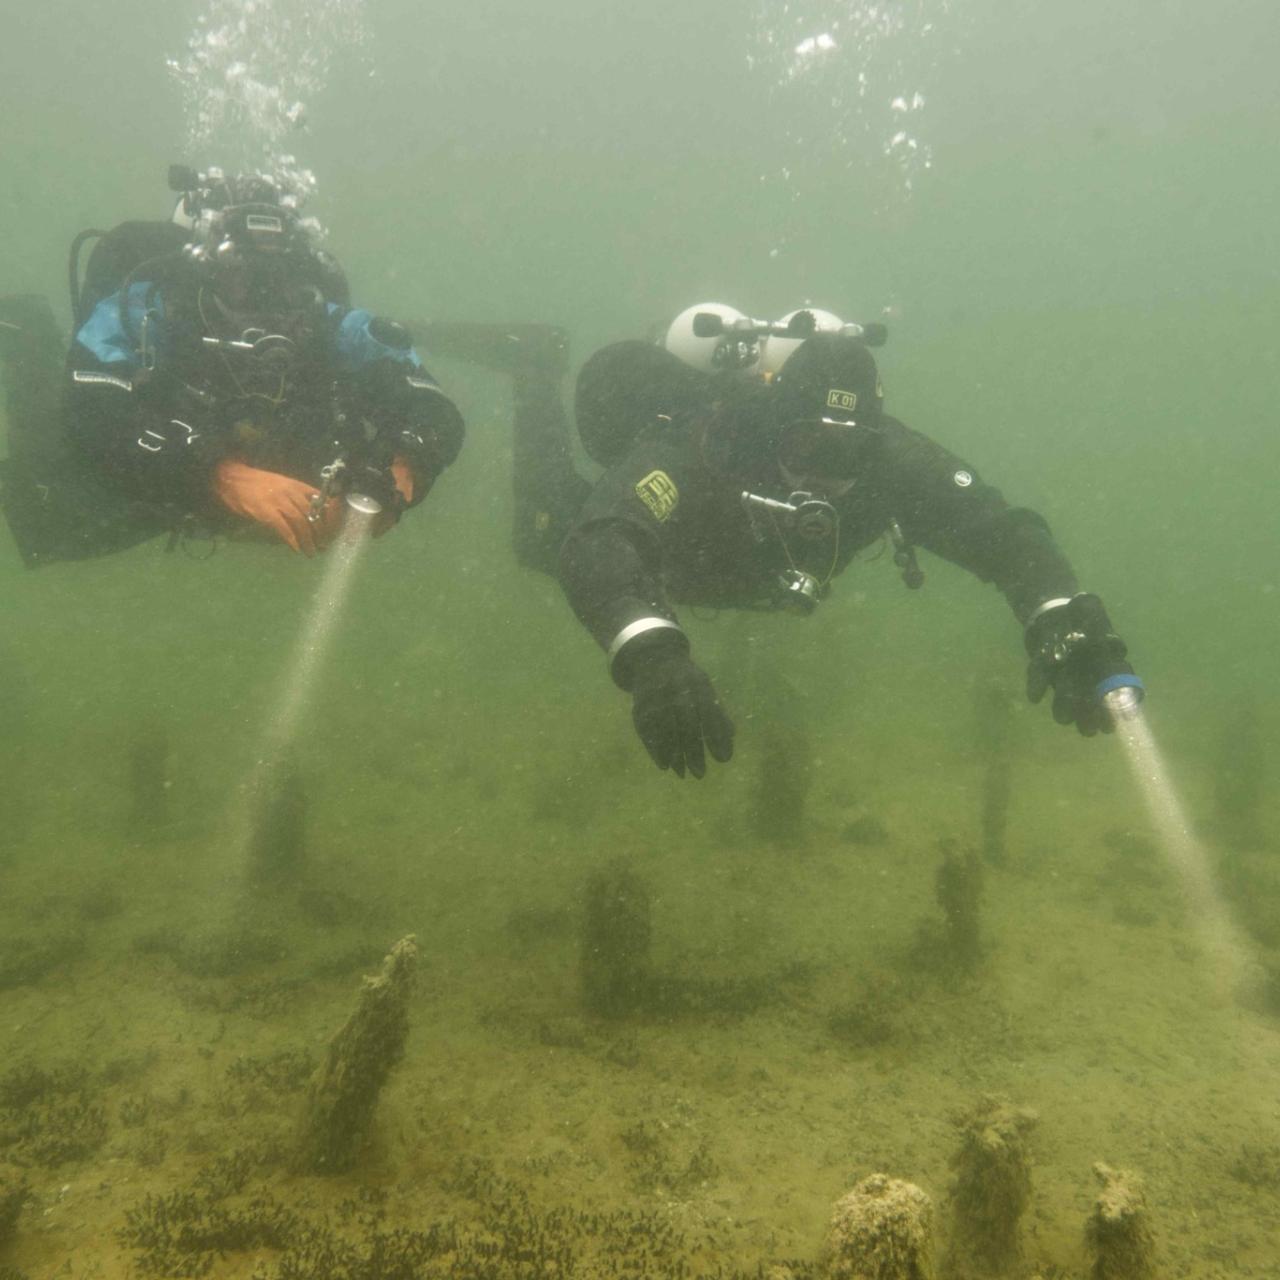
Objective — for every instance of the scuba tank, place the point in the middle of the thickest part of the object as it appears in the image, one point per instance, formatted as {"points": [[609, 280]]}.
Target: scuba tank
{"points": [[628, 387], [56, 506]]}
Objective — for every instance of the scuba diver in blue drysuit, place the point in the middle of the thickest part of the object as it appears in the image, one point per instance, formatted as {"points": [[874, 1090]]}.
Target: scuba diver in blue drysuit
{"points": [[218, 382]]}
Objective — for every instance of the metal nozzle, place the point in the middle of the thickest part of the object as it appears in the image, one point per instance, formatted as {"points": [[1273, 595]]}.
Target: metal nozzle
{"points": [[1122, 697], [363, 504]]}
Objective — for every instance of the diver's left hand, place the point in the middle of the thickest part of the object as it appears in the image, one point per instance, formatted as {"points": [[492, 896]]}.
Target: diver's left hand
{"points": [[676, 711], [1073, 650]]}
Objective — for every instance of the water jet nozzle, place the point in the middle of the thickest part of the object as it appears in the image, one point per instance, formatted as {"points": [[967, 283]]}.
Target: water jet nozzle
{"points": [[363, 504], [1122, 696]]}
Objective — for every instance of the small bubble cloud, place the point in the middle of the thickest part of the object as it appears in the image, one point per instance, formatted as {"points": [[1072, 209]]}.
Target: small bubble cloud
{"points": [[247, 72], [862, 68]]}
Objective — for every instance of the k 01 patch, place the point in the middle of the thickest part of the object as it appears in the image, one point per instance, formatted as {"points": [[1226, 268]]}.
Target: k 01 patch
{"points": [[658, 492], [846, 400]]}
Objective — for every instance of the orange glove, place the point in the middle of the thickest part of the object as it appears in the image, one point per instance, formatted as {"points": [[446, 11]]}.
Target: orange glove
{"points": [[402, 475], [281, 503]]}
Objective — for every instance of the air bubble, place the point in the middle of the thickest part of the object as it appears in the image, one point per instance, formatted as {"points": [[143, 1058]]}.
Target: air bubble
{"points": [[249, 69]]}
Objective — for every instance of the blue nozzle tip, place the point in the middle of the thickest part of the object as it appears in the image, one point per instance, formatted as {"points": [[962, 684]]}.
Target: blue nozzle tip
{"points": [[1126, 680]]}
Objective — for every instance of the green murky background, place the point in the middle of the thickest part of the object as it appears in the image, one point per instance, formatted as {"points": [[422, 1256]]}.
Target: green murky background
{"points": [[1084, 298]]}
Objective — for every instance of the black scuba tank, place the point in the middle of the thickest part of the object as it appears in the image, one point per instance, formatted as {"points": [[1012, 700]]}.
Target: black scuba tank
{"points": [[56, 507], [630, 387], [117, 254]]}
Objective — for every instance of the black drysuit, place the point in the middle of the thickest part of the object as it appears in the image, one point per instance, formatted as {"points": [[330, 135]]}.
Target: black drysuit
{"points": [[665, 527]]}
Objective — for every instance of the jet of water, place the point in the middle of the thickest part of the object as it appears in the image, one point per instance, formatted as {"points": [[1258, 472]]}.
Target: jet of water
{"points": [[1235, 971], [317, 633], [298, 686]]}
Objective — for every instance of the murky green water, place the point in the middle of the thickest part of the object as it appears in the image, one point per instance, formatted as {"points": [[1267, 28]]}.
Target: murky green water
{"points": [[1082, 295]]}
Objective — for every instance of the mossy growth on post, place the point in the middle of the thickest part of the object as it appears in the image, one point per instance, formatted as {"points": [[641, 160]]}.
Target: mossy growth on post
{"points": [[991, 1188], [1118, 1232], [952, 946], [881, 1230], [343, 1094]]}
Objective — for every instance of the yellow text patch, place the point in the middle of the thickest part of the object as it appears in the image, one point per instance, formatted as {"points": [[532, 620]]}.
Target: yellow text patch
{"points": [[658, 492]]}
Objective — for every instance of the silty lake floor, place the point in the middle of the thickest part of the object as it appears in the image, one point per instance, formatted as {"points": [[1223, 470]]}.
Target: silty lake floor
{"points": [[169, 1038]]}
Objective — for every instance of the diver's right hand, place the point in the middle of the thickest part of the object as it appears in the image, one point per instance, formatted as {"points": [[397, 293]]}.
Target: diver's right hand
{"points": [[675, 711], [280, 503], [1073, 649]]}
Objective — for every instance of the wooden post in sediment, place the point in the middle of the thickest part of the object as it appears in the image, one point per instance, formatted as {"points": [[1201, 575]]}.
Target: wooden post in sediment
{"points": [[344, 1091], [614, 945], [991, 1188], [881, 1230], [1119, 1228]]}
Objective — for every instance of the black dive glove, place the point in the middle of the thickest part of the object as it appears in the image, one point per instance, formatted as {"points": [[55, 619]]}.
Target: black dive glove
{"points": [[1074, 649], [676, 710]]}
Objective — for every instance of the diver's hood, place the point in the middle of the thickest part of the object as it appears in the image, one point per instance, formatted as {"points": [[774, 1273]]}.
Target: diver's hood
{"points": [[829, 377]]}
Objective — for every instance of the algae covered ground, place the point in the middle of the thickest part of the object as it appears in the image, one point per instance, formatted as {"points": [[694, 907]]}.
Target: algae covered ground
{"points": [[909, 900], [811, 1018]]}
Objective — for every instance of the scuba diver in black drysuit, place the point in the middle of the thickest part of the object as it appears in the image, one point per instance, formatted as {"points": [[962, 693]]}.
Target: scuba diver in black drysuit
{"points": [[745, 465], [218, 381]]}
